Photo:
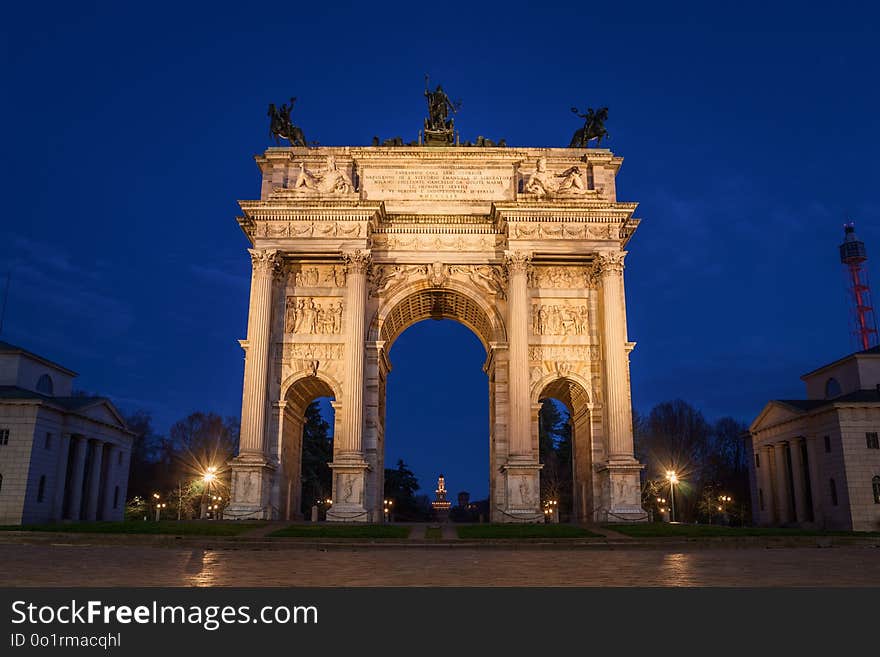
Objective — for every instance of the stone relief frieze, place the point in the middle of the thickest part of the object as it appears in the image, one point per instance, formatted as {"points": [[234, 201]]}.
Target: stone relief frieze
{"points": [[308, 316], [565, 231], [436, 242], [488, 278], [559, 319], [558, 277], [275, 229], [559, 353], [332, 180], [545, 184], [310, 352], [318, 276], [384, 277]]}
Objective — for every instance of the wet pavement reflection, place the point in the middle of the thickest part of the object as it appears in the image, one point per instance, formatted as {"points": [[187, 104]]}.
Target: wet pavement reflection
{"points": [[94, 565]]}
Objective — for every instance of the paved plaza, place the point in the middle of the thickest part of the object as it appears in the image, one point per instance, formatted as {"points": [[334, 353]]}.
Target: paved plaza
{"points": [[58, 564]]}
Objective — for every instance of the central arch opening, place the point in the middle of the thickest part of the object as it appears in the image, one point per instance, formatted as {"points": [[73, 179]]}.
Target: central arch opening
{"points": [[438, 414]]}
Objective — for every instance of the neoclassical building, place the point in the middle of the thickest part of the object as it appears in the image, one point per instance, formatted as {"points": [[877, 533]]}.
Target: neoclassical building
{"points": [[815, 462], [62, 456], [352, 245]]}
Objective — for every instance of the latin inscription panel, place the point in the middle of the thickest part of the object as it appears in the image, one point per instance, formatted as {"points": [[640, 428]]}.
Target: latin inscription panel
{"points": [[436, 184]]}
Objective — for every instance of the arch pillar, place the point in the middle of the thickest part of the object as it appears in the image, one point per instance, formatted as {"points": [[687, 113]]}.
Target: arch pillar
{"points": [[252, 471], [350, 465], [621, 471], [522, 470]]}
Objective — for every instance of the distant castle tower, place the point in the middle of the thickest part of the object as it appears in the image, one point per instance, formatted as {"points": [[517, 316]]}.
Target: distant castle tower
{"points": [[853, 255], [441, 505]]}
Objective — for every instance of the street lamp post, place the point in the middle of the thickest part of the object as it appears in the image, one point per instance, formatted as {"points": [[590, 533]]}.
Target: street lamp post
{"points": [[208, 478], [673, 479]]}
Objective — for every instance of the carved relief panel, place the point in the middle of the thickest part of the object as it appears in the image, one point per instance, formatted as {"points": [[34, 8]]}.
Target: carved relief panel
{"points": [[313, 315], [317, 275], [558, 277], [560, 318]]}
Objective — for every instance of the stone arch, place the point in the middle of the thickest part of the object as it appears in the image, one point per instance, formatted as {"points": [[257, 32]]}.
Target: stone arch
{"points": [[415, 302], [310, 379], [297, 391], [573, 391], [453, 300]]}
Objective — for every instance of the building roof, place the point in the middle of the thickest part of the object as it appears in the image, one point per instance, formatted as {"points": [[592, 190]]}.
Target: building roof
{"points": [[857, 396], [7, 348], [873, 351], [75, 404]]}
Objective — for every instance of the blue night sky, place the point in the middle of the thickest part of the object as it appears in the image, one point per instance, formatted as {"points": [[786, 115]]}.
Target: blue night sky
{"points": [[749, 133]]}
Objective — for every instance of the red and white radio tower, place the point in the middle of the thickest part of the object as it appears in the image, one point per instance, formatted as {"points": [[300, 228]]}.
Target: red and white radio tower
{"points": [[853, 256]]}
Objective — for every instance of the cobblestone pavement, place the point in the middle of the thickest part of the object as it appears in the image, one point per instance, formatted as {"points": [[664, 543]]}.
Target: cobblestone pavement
{"points": [[133, 565]]}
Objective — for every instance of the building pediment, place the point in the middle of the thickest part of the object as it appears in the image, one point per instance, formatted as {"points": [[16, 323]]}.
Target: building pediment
{"points": [[775, 412], [101, 410]]}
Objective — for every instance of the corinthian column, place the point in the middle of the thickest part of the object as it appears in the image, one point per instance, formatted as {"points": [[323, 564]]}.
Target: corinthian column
{"points": [[357, 264], [253, 406], [518, 349], [522, 500], [621, 468], [252, 470], [618, 409], [349, 464]]}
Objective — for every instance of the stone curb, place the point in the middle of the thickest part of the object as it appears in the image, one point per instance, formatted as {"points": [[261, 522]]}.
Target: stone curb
{"points": [[261, 543]]}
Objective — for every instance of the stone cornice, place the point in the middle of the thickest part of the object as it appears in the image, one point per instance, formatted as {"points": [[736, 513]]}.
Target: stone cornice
{"points": [[490, 157]]}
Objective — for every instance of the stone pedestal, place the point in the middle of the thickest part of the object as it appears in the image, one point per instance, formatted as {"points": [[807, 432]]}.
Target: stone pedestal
{"points": [[349, 480], [252, 477], [624, 491], [523, 483]]}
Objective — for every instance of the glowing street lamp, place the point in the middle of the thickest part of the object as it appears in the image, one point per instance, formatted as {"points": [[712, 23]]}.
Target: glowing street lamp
{"points": [[209, 476], [387, 509], [673, 479]]}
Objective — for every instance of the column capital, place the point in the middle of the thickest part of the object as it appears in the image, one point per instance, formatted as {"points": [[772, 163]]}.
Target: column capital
{"points": [[357, 262], [266, 260], [609, 262], [516, 262]]}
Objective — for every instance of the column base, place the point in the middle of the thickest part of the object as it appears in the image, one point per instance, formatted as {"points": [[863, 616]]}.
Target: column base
{"points": [[523, 486], [623, 490], [349, 479], [252, 476]]}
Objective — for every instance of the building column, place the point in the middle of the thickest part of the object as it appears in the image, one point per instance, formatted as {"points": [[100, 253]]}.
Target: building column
{"points": [[60, 477], [94, 485], [800, 513], [781, 480], [349, 465], [767, 514], [622, 469], [522, 469], [251, 470], [107, 510], [81, 445], [815, 480]]}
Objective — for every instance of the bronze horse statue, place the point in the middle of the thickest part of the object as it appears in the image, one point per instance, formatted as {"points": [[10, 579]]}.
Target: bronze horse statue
{"points": [[281, 127], [594, 127]]}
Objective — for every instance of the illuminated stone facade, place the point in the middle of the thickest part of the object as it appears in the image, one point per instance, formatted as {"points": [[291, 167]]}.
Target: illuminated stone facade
{"points": [[352, 245]]}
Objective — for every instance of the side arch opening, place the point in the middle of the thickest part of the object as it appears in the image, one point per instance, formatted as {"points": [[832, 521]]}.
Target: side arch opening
{"points": [[566, 450]]}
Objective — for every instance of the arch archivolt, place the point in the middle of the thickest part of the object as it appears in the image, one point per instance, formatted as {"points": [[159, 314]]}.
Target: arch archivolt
{"points": [[461, 301], [302, 386]]}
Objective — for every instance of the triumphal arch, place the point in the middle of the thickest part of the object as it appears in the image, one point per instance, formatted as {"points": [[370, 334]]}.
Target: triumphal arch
{"points": [[352, 245]]}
